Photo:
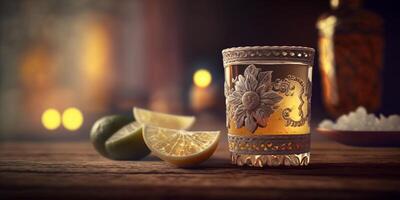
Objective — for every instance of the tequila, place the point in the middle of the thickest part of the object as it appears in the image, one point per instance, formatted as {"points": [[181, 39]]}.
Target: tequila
{"points": [[268, 103]]}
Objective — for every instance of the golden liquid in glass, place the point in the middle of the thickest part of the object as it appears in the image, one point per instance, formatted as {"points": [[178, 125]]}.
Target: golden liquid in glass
{"points": [[276, 124]]}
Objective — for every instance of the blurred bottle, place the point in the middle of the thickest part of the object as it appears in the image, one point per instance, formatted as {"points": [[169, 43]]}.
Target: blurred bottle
{"points": [[350, 55]]}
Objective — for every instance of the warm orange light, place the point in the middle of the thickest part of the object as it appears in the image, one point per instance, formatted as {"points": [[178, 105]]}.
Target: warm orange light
{"points": [[96, 54], [334, 4], [327, 58]]}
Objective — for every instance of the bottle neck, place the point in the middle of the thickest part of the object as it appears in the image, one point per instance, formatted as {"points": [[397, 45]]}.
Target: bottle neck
{"points": [[346, 4]]}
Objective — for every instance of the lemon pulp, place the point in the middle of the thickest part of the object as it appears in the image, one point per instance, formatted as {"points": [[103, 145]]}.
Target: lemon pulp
{"points": [[180, 147]]}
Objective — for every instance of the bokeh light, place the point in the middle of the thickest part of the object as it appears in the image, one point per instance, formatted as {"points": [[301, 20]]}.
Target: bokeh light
{"points": [[202, 78], [51, 119], [72, 119]]}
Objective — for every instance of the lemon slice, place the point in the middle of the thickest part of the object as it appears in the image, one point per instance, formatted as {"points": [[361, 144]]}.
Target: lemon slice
{"points": [[163, 120], [179, 147]]}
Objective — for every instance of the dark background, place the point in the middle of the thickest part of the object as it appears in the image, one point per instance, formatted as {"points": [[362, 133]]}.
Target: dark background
{"points": [[249, 23], [154, 47]]}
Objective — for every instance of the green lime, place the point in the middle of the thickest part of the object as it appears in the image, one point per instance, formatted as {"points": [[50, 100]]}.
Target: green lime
{"points": [[127, 143], [104, 128]]}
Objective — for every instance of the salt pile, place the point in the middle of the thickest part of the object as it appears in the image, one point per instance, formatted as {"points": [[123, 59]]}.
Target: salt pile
{"points": [[360, 120]]}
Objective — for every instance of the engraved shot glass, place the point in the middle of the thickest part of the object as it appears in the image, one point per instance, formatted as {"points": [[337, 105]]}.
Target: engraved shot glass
{"points": [[268, 104]]}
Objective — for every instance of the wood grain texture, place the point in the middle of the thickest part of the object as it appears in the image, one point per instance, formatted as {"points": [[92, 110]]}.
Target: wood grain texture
{"points": [[75, 170]]}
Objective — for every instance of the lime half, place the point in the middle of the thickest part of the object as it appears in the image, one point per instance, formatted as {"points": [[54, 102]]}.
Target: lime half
{"points": [[127, 143], [104, 128]]}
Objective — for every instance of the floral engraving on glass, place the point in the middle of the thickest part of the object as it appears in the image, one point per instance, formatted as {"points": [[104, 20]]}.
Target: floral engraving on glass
{"points": [[252, 99], [286, 111], [283, 86]]}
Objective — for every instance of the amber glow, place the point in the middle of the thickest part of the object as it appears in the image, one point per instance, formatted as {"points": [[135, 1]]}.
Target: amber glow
{"points": [[72, 119], [51, 119], [96, 63], [276, 124], [202, 78], [327, 27], [96, 53], [334, 4], [327, 58], [202, 98]]}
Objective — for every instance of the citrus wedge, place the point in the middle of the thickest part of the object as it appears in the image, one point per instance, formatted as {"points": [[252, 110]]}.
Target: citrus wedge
{"points": [[163, 120], [104, 128], [179, 147], [127, 143]]}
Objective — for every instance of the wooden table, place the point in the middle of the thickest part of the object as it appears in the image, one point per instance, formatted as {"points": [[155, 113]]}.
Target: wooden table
{"points": [[74, 170]]}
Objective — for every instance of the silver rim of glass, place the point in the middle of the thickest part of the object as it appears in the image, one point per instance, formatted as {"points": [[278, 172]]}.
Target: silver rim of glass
{"points": [[271, 53]]}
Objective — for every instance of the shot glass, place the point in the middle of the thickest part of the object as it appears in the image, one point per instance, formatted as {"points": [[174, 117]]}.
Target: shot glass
{"points": [[268, 104]]}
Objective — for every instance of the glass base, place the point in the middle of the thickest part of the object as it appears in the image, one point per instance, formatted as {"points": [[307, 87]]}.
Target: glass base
{"points": [[291, 160]]}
